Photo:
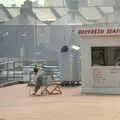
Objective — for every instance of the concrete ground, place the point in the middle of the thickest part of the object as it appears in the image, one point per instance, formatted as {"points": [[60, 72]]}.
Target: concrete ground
{"points": [[15, 104]]}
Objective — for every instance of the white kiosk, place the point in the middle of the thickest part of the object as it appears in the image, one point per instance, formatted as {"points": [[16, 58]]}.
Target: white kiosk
{"points": [[100, 58]]}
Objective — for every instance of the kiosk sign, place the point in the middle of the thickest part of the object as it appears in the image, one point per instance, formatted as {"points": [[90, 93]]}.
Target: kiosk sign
{"points": [[97, 31]]}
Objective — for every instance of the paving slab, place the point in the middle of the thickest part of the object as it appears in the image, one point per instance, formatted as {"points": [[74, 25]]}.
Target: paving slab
{"points": [[16, 104]]}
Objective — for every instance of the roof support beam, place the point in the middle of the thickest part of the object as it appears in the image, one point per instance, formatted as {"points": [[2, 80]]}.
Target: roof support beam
{"points": [[6, 11], [100, 11], [55, 12]]}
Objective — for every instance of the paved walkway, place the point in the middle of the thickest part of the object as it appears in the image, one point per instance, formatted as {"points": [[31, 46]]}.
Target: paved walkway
{"points": [[15, 104]]}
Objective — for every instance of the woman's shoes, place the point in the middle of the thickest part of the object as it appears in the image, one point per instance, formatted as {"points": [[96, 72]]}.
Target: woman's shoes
{"points": [[34, 94]]}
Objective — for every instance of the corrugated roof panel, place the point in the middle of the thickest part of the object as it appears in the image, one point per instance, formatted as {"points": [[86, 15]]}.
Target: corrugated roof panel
{"points": [[112, 18], [3, 15], [31, 20], [107, 10], [90, 13], [100, 2], [107, 19], [54, 3], [62, 3], [61, 11], [14, 11], [24, 20], [67, 20], [63, 21], [44, 14], [116, 17]]}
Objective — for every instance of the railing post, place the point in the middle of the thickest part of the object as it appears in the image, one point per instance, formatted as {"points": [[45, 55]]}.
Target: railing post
{"points": [[13, 70], [7, 71]]}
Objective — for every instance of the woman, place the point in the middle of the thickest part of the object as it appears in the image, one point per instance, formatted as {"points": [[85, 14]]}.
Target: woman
{"points": [[41, 79]]}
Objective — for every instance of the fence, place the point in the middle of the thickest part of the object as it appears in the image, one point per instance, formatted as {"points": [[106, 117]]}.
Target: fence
{"points": [[11, 71], [15, 70], [52, 72]]}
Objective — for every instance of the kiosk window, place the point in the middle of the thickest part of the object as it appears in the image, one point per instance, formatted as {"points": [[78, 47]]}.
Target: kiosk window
{"points": [[106, 56]]}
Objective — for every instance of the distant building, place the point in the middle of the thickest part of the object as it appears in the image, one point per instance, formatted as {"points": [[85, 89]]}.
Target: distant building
{"points": [[28, 25], [24, 32]]}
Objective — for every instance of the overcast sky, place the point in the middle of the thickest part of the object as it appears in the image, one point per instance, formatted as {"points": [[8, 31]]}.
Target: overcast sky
{"points": [[18, 2]]}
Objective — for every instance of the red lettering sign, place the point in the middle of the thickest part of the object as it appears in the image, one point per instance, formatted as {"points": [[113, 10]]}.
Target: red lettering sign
{"points": [[99, 31]]}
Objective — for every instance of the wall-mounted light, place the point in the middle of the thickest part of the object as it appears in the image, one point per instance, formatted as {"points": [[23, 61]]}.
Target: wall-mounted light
{"points": [[75, 47]]}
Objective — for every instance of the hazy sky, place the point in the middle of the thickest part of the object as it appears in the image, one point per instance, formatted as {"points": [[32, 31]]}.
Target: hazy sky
{"points": [[7, 2]]}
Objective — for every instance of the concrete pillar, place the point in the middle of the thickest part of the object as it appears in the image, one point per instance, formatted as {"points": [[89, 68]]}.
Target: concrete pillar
{"points": [[66, 66], [76, 66]]}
